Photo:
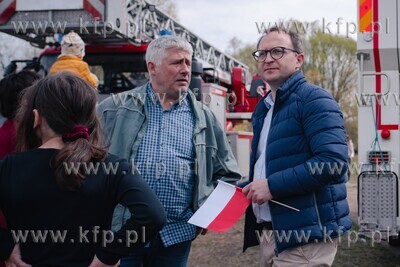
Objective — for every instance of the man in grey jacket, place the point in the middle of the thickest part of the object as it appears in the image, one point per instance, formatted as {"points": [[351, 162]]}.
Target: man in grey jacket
{"points": [[174, 141]]}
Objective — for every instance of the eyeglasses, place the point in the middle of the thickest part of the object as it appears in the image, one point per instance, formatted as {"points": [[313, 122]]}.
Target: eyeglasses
{"points": [[276, 53]]}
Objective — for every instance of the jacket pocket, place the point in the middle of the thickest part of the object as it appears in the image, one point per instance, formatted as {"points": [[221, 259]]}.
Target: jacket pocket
{"points": [[206, 159]]}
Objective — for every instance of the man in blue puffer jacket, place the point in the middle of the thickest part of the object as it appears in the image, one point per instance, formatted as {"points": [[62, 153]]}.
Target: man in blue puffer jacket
{"points": [[299, 158]]}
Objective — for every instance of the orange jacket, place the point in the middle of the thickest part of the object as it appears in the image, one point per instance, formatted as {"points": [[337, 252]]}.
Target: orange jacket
{"points": [[76, 66]]}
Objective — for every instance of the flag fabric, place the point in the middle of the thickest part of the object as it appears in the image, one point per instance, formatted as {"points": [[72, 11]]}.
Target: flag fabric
{"points": [[223, 208]]}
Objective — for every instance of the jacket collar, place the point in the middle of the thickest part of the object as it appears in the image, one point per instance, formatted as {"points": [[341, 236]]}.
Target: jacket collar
{"points": [[198, 107], [138, 92], [289, 86], [282, 93], [261, 109]]}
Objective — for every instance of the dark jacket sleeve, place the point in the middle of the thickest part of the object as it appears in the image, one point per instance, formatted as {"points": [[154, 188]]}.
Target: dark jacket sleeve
{"points": [[325, 135], [147, 216]]}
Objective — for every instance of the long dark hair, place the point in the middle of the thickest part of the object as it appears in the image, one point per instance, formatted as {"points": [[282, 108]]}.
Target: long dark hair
{"points": [[65, 101]]}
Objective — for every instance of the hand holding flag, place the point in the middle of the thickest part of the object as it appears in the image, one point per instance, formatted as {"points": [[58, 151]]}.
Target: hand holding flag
{"points": [[223, 208]]}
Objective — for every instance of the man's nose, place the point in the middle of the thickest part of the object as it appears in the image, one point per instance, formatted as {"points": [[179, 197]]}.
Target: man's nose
{"points": [[268, 58], [186, 68]]}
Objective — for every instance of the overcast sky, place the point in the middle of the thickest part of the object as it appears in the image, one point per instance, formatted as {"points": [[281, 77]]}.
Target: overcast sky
{"points": [[217, 21]]}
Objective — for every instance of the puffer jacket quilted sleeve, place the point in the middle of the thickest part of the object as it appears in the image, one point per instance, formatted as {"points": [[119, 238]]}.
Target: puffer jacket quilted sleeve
{"points": [[309, 125]]}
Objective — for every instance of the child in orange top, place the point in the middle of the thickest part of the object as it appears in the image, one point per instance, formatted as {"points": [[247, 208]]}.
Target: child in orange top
{"points": [[72, 53]]}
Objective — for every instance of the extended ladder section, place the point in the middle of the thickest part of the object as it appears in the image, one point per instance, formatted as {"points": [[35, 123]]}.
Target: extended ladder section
{"points": [[102, 21]]}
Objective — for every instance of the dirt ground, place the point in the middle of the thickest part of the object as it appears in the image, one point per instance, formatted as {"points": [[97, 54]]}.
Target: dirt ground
{"points": [[225, 249]]}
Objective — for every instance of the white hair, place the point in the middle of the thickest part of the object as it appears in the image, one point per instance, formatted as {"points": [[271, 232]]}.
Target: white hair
{"points": [[158, 47]]}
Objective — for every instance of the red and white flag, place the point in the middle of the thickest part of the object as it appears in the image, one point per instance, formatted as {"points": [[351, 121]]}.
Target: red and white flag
{"points": [[223, 208]]}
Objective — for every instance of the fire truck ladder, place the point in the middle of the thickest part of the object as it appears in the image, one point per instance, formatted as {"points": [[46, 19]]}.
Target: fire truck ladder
{"points": [[146, 22], [143, 23]]}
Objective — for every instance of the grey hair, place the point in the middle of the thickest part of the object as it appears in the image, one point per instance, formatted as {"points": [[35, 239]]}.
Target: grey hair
{"points": [[157, 48]]}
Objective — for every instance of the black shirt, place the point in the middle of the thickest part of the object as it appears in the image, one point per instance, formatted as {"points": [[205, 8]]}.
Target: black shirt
{"points": [[62, 228]]}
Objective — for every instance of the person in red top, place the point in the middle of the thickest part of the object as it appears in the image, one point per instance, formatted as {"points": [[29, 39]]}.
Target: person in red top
{"points": [[10, 88]]}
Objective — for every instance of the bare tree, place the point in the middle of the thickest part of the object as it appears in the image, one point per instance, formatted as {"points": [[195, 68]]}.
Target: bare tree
{"points": [[242, 52], [12, 48]]}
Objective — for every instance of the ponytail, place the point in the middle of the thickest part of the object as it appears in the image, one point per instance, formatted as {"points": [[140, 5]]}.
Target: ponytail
{"points": [[71, 164], [68, 104]]}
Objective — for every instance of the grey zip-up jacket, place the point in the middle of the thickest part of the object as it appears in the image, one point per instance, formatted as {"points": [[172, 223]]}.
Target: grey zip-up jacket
{"points": [[124, 120]]}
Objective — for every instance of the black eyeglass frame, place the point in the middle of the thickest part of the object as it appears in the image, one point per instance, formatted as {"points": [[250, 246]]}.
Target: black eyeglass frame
{"points": [[270, 52]]}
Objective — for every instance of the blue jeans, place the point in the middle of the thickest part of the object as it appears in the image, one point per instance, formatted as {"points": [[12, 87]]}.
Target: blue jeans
{"points": [[156, 255]]}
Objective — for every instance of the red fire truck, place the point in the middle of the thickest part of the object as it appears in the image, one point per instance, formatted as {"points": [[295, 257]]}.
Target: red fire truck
{"points": [[117, 34]]}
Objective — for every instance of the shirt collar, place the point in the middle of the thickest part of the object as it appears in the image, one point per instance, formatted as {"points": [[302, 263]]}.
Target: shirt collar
{"points": [[268, 101]]}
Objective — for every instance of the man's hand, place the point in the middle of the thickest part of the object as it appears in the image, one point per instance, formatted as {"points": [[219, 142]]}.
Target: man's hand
{"points": [[258, 191], [15, 259], [97, 263], [200, 231]]}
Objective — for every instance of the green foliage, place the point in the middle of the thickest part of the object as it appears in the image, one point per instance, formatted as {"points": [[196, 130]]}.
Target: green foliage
{"points": [[242, 52]]}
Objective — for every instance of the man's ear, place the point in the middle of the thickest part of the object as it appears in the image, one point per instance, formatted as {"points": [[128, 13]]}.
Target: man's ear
{"points": [[151, 67], [300, 60], [37, 119]]}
